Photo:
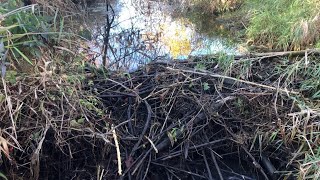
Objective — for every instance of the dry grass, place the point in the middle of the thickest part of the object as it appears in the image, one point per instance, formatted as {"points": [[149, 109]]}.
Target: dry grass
{"points": [[306, 32], [41, 89]]}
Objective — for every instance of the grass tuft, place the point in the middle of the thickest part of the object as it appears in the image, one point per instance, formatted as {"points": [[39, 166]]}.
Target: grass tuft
{"points": [[283, 24]]}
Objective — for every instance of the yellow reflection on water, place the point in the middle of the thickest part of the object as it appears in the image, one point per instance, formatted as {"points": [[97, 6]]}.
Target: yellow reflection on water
{"points": [[177, 37]]}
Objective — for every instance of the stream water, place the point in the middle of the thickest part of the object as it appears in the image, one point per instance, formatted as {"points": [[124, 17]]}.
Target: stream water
{"points": [[143, 31]]}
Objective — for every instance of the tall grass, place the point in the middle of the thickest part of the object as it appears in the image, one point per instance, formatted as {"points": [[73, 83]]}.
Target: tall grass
{"points": [[283, 24], [41, 81], [214, 6], [32, 33]]}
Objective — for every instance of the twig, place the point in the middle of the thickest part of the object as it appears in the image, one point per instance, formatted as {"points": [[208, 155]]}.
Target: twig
{"points": [[215, 161], [255, 163], [269, 166], [216, 164], [207, 165], [207, 73], [129, 114], [125, 87], [147, 169], [9, 104], [170, 171], [168, 113], [144, 129], [193, 147], [141, 161], [106, 34], [152, 144], [187, 172], [117, 149], [288, 53], [35, 159], [270, 54]]}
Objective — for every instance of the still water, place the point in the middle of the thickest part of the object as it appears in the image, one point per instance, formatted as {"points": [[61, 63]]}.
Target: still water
{"points": [[143, 31]]}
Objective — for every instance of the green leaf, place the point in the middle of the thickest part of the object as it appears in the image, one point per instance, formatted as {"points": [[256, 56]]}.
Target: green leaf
{"points": [[3, 176], [171, 138], [61, 28], [85, 33], [5, 29], [2, 98], [11, 76], [90, 83], [200, 67], [24, 56], [81, 120], [13, 37], [316, 95], [74, 123], [206, 86]]}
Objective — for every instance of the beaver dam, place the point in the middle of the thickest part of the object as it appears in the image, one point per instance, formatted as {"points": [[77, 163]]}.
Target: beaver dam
{"points": [[132, 102], [168, 120]]}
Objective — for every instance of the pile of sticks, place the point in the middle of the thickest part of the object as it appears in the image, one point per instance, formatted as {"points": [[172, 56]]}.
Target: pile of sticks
{"points": [[170, 119]]}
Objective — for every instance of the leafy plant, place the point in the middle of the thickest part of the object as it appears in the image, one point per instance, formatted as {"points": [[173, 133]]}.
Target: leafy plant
{"points": [[25, 30], [91, 103], [11, 76], [318, 44], [206, 86], [200, 66], [225, 62]]}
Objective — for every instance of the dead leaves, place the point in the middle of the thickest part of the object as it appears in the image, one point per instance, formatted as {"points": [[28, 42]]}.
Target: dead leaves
{"points": [[4, 147]]}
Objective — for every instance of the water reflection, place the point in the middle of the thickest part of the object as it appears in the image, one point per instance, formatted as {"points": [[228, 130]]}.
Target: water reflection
{"points": [[144, 31]]}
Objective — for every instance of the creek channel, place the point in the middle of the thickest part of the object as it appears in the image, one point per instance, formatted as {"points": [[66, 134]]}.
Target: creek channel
{"points": [[138, 32]]}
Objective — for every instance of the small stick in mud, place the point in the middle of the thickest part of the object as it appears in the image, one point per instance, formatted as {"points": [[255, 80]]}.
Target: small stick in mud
{"points": [[118, 150], [207, 164], [255, 163]]}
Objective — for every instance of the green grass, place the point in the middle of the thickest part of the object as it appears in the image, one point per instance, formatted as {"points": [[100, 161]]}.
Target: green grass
{"points": [[310, 165], [275, 24], [29, 32], [302, 74], [23, 30], [284, 24]]}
